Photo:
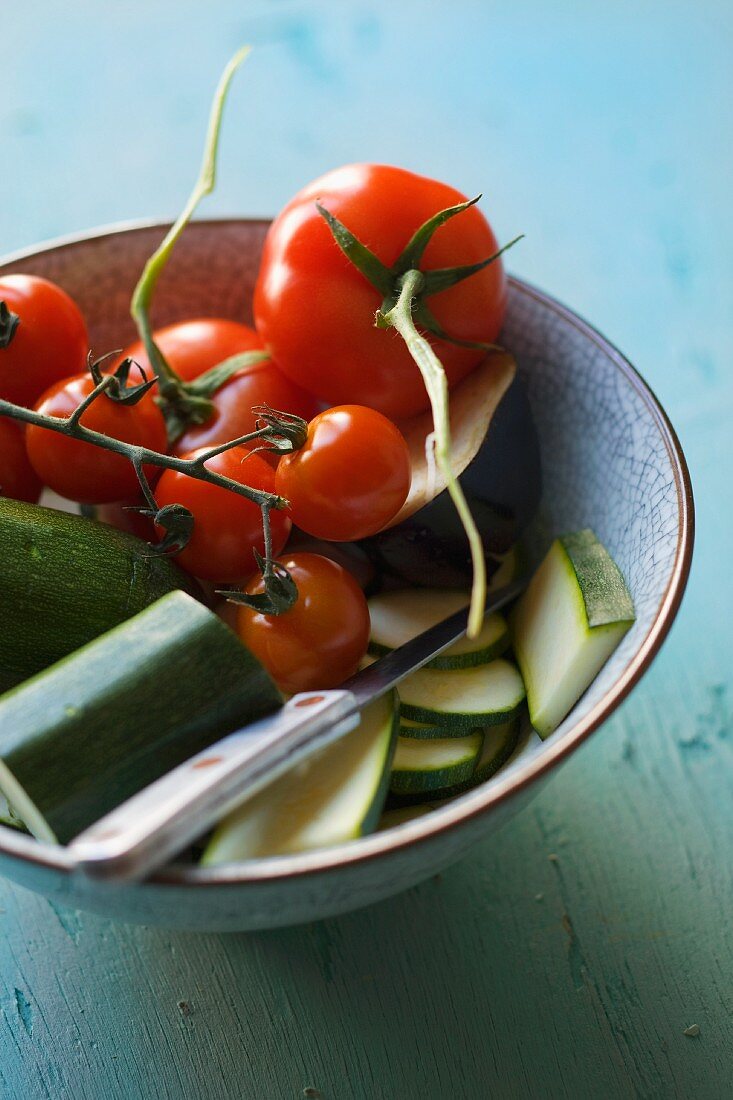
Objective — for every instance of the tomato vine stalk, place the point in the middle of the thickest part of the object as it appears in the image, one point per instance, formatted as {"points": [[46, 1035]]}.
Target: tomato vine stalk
{"points": [[400, 317], [280, 432], [184, 403], [194, 467]]}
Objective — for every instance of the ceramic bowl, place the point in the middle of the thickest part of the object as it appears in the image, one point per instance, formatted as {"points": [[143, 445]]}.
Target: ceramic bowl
{"points": [[610, 460]]}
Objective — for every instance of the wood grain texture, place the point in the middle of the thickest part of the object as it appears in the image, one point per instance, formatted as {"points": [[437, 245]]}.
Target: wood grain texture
{"points": [[603, 135]]}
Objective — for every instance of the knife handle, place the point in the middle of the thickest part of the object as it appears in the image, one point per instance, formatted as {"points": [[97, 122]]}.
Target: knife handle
{"points": [[163, 818]]}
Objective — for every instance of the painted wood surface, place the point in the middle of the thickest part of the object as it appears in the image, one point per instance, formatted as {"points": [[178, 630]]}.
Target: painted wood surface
{"points": [[569, 954]]}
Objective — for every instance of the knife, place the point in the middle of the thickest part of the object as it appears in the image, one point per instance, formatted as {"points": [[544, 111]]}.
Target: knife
{"points": [[161, 820]]}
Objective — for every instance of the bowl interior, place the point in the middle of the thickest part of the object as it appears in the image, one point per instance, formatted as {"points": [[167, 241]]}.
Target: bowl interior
{"points": [[609, 461]]}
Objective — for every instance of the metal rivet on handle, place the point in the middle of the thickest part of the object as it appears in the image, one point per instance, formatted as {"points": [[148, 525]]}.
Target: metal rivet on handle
{"points": [[207, 762], [310, 701]]}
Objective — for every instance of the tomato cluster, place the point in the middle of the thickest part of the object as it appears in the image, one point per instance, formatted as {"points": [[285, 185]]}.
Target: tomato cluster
{"points": [[323, 360]]}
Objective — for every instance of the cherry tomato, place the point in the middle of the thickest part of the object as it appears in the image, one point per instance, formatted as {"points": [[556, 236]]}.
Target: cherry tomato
{"points": [[18, 479], [315, 311], [259, 384], [193, 347], [351, 476], [50, 342], [226, 526], [81, 471], [320, 641]]}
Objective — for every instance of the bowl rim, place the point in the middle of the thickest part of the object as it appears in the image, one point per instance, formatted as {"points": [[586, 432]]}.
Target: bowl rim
{"points": [[502, 789]]}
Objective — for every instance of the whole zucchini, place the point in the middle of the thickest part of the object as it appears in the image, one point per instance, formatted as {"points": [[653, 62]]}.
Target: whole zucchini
{"points": [[81, 737], [65, 580]]}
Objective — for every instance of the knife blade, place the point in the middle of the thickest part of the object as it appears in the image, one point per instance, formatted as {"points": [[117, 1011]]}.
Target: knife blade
{"points": [[161, 820]]}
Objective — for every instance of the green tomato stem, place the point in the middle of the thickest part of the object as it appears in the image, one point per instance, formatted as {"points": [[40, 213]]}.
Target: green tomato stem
{"points": [[169, 382], [436, 384]]}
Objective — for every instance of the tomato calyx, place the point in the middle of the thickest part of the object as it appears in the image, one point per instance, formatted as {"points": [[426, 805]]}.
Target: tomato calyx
{"points": [[282, 432], [280, 591], [185, 403], [116, 385], [180, 408], [177, 522], [9, 322], [389, 280]]}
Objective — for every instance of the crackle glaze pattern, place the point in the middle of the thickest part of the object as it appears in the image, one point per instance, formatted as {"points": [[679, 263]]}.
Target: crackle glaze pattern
{"points": [[610, 461]]}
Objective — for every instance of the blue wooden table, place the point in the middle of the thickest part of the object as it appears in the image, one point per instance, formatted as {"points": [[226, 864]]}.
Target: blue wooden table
{"points": [[603, 133]]}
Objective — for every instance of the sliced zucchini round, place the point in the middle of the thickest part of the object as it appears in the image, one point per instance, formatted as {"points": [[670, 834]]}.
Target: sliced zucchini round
{"points": [[336, 795], [400, 615], [428, 767], [399, 815], [422, 730], [463, 698], [507, 571], [499, 744]]}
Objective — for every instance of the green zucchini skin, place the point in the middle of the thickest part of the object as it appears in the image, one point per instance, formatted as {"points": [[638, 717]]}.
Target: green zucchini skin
{"points": [[440, 699], [98, 726], [574, 612], [371, 820], [425, 731], [499, 744], [336, 796], [64, 580], [424, 775], [401, 614]]}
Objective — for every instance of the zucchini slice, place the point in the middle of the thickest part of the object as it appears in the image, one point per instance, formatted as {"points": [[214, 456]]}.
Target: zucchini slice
{"points": [[574, 613], [422, 730], [7, 815], [507, 569], [399, 815], [336, 795], [429, 767], [499, 744], [65, 580], [401, 615], [463, 698], [79, 738]]}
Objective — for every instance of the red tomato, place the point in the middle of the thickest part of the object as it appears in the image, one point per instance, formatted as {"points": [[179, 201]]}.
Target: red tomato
{"points": [[260, 384], [320, 641], [17, 477], [193, 347], [351, 476], [226, 526], [315, 311], [50, 342], [82, 471]]}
